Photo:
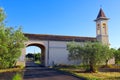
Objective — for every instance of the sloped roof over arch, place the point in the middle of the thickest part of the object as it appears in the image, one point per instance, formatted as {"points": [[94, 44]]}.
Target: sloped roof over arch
{"points": [[58, 37]]}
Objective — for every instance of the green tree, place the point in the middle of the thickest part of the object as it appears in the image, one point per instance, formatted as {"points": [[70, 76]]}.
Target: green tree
{"points": [[2, 15], [11, 43], [34, 56], [117, 56], [91, 54], [30, 55], [37, 56], [109, 54]]}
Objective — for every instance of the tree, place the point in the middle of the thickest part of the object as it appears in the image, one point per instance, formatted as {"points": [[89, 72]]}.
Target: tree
{"points": [[117, 56], [109, 54], [75, 50], [91, 54], [11, 43], [30, 55], [34, 56], [37, 56]]}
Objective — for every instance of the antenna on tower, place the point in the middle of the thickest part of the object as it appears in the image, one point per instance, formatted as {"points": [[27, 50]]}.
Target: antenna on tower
{"points": [[100, 6]]}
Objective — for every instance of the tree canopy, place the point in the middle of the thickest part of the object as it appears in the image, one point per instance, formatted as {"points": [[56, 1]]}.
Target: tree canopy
{"points": [[11, 43], [90, 54], [34, 56], [117, 56]]}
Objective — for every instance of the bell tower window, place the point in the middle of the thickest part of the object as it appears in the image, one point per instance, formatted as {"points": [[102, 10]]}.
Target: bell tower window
{"points": [[98, 29], [104, 28]]}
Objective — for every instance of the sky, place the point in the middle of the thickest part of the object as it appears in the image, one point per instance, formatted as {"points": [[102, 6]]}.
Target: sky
{"points": [[63, 17]]}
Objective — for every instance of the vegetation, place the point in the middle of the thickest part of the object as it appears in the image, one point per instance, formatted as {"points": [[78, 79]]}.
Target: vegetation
{"points": [[91, 54], [11, 70], [17, 77], [34, 57], [78, 71], [117, 56], [100, 76], [38, 62], [30, 56], [11, 43], [11, 73], [37, 56]]}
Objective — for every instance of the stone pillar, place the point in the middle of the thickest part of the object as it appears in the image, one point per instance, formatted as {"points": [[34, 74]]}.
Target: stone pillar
{"points": [[21, 60]]}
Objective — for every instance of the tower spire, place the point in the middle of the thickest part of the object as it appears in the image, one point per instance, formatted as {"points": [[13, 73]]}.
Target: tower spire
{"points": [[101, 15], [102, 27]]}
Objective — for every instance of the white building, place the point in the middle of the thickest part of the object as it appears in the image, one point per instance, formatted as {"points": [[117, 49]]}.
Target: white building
{"points": [[54, 47]]}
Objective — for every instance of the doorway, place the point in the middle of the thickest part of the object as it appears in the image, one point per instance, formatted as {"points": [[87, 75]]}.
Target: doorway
{"points": [[35, 55]]}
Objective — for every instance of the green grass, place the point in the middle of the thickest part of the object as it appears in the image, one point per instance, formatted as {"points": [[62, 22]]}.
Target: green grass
{"points": [[10, 70], [11, 74], [92, 76], [100, 75], [17, 77], [37, 62]]}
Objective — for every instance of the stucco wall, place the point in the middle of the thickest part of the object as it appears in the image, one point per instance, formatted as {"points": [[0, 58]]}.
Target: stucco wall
{"points": [[55, 52], [58, 52]]}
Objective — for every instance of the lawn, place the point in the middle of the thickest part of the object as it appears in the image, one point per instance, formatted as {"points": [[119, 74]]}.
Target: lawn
{"points": [[100, 75], [37, 62], [105, 74], [11, 74]]}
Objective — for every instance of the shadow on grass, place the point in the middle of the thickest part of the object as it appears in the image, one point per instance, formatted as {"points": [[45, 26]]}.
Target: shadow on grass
{"points": [[109, 70], [113, 78], [11, 75]]}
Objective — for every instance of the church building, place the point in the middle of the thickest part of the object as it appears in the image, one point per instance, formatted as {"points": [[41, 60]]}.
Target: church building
{"points": [[54, 47]]}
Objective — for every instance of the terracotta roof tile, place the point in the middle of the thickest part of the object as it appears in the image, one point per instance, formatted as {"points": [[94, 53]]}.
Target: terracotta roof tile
{"points": [[101, 14], [58, 37]]}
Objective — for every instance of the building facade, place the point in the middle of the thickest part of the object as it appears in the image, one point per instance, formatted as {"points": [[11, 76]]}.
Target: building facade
{"points": [[54, 47], [102, 27]]}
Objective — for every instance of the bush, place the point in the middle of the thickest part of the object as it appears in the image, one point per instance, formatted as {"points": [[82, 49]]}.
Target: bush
{"points": [[11, 43]]}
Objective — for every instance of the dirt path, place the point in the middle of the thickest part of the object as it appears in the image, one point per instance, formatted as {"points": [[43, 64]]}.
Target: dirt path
{"points": [[42, 73]]}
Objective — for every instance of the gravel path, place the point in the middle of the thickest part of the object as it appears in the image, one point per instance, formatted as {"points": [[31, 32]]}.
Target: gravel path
{"points": [[42, 73]]}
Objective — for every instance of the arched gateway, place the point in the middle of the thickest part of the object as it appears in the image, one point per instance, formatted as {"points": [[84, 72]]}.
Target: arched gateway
{"points": [[54, 47], [41, 46]]}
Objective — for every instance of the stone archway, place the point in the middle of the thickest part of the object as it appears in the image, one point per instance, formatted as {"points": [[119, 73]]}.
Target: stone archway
{"points": [[54, 48], [42, 47]]}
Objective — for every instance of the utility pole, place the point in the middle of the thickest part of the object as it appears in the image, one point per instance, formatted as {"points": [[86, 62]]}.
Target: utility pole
{"points": [[34, 54]]}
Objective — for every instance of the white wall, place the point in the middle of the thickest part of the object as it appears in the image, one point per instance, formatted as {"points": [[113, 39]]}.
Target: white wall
{"points": [[58, 53], [55, 52]]}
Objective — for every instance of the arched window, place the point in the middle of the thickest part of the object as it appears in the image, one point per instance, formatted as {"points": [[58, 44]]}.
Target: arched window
{"points": [[98, 29], [104, 28]]}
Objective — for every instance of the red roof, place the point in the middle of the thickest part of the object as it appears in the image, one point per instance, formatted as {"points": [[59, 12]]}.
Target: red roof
{"points": [[101, 15], [58, 37]]}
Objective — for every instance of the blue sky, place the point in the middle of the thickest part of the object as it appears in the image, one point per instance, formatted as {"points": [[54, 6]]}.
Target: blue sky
{"points": [[63, 17]]}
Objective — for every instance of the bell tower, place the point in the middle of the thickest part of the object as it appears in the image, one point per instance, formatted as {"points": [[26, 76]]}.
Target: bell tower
{"points": [[102, 28]]}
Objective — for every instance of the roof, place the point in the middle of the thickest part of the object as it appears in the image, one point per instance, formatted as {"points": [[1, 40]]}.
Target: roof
{"points": [[58, 37], [101, 15]]}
